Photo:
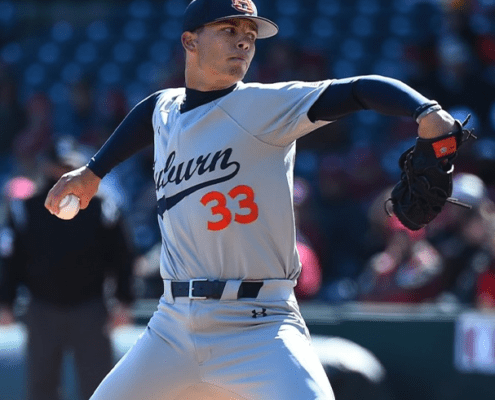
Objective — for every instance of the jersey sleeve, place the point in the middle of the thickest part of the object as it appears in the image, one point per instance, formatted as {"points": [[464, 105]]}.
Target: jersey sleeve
{"points": [[372, 92], [133, 134], [276, 114]]}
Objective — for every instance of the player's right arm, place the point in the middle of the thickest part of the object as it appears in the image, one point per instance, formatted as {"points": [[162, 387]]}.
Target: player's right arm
{"points": [[133, 134]]}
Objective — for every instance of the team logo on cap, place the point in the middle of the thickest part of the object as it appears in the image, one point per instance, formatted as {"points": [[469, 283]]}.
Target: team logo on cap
{"points": [[244, 6]]}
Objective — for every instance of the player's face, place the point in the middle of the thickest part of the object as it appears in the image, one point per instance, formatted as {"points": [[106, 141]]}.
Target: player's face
{"points": [[224, 52]]}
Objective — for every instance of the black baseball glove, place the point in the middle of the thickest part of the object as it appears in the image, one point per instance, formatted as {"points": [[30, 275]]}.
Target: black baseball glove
{"points": [[426, 179]]}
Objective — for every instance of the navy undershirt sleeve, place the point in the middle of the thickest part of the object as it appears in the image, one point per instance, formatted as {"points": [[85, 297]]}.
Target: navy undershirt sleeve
{"points": [[372, 92], [133, 134]]}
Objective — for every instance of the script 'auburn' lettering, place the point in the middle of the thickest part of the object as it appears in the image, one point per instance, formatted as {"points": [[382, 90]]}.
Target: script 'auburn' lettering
{"points": [[184, 171], [203, 166]]}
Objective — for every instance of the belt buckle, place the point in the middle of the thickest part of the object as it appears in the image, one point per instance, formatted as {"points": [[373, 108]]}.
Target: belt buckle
{"points": [[191, 289]]}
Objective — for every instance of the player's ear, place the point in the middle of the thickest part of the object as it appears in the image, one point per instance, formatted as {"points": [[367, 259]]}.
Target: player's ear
{"points": [[189, 41]]}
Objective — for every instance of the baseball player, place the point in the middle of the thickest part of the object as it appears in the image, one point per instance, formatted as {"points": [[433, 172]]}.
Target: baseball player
{"points": [[224, 153]]}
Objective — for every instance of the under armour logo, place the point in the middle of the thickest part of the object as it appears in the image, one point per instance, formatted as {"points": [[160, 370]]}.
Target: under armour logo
{"points": [[259, 314]]}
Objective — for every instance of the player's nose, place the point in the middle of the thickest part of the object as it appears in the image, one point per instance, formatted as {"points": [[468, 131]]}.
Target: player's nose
{"points": [[243, 44]]}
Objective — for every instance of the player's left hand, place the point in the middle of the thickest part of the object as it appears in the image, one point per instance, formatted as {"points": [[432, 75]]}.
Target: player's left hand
{"points": [[426, 180], [436, 124]]}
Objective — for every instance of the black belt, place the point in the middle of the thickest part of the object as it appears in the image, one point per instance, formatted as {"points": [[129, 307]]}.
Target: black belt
{"points": [[204, 289]]}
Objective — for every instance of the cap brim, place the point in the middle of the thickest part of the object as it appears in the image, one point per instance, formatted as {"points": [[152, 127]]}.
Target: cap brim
{"points": [[266, 28]]}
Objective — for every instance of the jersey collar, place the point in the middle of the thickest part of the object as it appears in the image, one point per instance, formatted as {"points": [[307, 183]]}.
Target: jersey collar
{"points": [[195, 98]]}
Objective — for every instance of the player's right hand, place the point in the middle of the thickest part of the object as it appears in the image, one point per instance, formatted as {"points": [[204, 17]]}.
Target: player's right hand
{"points": [[81, 182]]}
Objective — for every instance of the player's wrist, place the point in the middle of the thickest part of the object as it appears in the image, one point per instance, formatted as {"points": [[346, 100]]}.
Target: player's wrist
{"points": [[425, 109], [435, 124]]}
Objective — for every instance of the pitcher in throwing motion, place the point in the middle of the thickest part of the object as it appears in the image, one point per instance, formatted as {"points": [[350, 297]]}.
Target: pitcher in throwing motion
{"points": [[228, 321]]}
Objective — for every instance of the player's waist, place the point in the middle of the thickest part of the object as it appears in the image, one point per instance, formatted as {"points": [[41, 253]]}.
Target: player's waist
{"points": [[224, 290]]}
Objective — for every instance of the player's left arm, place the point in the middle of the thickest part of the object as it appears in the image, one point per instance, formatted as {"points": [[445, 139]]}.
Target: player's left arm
{"points": [[384, 95], [426, 178]]}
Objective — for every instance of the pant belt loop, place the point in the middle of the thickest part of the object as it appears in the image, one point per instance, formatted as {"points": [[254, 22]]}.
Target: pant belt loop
{"points": [[167, 293], [277, 289], [231, 289]]}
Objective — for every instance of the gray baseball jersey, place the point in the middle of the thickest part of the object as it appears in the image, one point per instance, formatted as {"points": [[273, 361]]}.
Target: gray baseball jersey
{"points": [[223, 175]]}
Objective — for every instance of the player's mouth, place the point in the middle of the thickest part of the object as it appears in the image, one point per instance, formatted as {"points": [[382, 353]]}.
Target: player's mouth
{"points": [[239, 58]]}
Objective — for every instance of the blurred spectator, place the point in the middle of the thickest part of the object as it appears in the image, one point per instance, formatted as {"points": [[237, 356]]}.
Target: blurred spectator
{"points": [[343, 217], [12, 120], [485, 284], [455, 69], [149, 283], [83, 105], [78, 116], [64, 265], [483, 156], [36, 135], [280, 63], [112, 109], [310, 279], [408, 270], [463, 237], [485, 290]]}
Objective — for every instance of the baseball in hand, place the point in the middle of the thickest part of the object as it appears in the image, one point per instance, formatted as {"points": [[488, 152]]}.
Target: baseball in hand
{"points": [[69, 207]]}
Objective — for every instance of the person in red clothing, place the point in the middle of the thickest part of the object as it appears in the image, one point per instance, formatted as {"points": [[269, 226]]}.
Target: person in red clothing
{"points": [[485, 284], [310, 279], [485, 290], [463, 238], [408, 269]]}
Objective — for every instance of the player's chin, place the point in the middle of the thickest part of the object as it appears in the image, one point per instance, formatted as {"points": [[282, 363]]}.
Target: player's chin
{"points": [[238, 70]]}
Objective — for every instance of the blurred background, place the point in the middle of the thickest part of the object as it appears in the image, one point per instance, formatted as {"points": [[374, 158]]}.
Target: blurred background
{"points": [[413, 309]]}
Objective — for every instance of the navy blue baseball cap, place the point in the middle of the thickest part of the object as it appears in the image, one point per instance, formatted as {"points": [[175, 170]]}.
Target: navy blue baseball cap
{"points": [[201, 12]]}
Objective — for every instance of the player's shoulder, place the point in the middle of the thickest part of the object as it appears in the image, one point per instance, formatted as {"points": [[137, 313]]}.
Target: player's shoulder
{"points": [[267, 94], [280, 86]]}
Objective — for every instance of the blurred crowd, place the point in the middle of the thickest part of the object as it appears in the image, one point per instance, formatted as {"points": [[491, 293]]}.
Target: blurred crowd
{"points": [[350, 248]]}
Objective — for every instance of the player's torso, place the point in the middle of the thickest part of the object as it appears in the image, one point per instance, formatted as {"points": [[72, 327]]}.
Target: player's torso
{"points": [[224, 201]]}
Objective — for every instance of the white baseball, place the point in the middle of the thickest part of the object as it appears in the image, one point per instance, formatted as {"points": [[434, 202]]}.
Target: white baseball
{"points": [[69, 207]]}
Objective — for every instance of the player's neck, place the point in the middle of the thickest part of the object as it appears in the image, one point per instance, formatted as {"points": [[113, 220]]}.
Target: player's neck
{"points": [[197, 80], [195, 98], [209, 87]]}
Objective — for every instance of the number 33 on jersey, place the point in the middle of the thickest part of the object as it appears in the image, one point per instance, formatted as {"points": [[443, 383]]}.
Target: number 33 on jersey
{"points": [[246, 202]]}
